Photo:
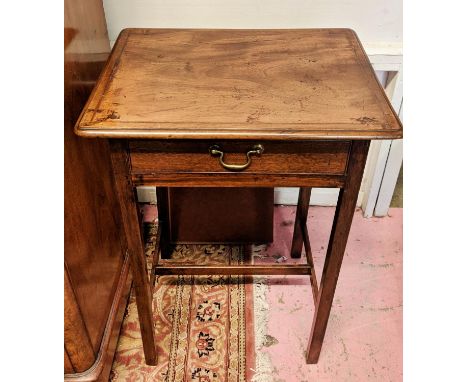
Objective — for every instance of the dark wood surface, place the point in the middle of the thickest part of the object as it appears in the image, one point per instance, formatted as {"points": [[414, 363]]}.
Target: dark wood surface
{"points": [[189, 163], [162, 195], [321, 157], [336, 247], [288, 269], [323, 296], [239, 84], [238, 180], [78, 346], [100, 370], [300, 237], [67, 365], [235, 89], [310, 260], [93, 250], [126, 195], [223, 215], [301, 218]]}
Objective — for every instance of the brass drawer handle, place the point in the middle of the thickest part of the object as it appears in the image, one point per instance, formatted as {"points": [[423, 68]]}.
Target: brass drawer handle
{"points": [[256, 150]]}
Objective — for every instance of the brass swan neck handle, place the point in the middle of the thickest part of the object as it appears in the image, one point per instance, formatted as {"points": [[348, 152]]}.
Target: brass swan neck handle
{"points": [[215, 150]]}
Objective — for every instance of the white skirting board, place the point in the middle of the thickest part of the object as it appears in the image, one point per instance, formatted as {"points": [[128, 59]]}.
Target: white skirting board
{"points": [[318, 197], [283, 195], [146, 194]]}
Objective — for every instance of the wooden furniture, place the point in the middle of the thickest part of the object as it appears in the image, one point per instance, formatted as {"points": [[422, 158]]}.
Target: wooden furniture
{"points": [[222, 215], [239, 108], [96, 269]]}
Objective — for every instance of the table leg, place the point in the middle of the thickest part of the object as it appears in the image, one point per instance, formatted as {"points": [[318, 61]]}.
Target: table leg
{"points": [[302, 210], [126, 194], [162, 195], [336, 248]]}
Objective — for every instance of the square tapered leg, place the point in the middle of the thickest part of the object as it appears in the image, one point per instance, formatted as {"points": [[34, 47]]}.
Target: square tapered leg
{"points": [[302, 211], [336, 247], [126, 194]]}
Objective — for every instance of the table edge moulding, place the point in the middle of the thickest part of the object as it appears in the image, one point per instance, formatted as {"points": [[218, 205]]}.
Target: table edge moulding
{"points": [[238, 108], [108, 122]]}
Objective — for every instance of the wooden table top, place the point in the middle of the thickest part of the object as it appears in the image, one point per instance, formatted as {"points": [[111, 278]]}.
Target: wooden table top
{"points": [[238, 84]]}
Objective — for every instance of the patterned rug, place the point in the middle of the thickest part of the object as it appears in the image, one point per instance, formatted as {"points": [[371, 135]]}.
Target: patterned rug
{"points": [[364, 334], [200, 323]]}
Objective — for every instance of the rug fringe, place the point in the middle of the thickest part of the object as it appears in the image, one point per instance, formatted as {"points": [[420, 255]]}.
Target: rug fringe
{"points": [[263, 365]]}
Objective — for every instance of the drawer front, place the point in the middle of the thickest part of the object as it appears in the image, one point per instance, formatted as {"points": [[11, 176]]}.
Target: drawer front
{"points": [[312, 157]]}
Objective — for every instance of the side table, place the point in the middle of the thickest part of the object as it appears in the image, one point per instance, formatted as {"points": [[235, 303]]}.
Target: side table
{"points": [[239, 108]]}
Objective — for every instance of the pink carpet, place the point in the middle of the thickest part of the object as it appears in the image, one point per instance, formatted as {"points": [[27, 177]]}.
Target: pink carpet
{"points": [[364, 336]]}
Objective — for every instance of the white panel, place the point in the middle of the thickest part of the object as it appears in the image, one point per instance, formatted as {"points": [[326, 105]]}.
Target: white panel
{"points": [[394, 89], [146, 194], [382, 76], [379, 151], [368, 175], [286, 195], [324, 196], [368, 204], [375, 21], [390, 177], [318, 197]]}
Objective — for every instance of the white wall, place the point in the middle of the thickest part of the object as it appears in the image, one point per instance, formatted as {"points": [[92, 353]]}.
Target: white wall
{"points": [[377, 22]]}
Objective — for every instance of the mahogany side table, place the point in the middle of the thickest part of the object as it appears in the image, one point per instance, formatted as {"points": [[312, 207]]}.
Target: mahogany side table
{"points": [[239, 108]]}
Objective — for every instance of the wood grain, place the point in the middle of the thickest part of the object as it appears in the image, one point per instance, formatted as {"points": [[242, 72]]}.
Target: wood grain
{"points": [[181, 90], [78, 347], [100, 370], [319, 157], [126, 195], [310, 261], [223, 215], [239, 84], [336, 247], [302, 211], [162, 195], [288, 269], [67, 365], [93, 249], [238, 180]]}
